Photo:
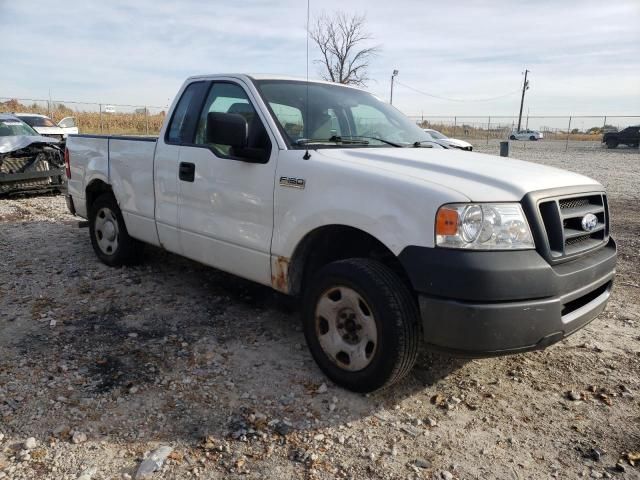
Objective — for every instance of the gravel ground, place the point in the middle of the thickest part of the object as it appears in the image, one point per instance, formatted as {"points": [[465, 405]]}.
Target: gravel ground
{"points": [[100, 367]]}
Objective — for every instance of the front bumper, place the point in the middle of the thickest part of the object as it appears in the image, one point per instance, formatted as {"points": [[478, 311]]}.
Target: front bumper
{"points": [[493, 303]]}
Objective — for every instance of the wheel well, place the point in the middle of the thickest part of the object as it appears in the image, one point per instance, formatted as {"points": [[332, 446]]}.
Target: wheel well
{"points": [[94, 190], [337, 242]]}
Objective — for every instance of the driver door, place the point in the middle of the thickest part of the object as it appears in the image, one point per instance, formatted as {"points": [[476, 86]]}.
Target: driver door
{"points": [[68, 124], [225, 206]]}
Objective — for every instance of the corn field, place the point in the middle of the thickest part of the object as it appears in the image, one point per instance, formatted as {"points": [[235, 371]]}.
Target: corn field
{"points": [[92, 118]]}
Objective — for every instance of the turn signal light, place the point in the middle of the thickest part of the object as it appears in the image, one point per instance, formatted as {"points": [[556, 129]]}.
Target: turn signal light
{"points": [[446, 221]]}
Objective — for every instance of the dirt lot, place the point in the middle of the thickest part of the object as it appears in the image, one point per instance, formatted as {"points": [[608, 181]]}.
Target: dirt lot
{"points": [[102, 366]]}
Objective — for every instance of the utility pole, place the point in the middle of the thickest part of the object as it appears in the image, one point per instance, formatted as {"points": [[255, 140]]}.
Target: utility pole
{"points": [[393, 75], [525, 87]]}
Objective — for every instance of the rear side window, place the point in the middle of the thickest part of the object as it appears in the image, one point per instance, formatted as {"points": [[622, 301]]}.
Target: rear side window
{"points": [[185, 116]]}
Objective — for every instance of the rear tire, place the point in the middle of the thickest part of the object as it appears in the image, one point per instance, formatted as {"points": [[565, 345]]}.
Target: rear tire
{"points": [[512, 137], [109, 236], [361, 323], [612, 143], [532, 138]]}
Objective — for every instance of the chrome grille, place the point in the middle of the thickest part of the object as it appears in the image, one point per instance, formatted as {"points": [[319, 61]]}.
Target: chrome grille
{"points": [[563, 217]]}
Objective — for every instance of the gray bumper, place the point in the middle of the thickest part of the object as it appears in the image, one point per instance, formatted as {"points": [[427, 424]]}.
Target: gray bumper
{"points": [[485, 319], [485, 329]]}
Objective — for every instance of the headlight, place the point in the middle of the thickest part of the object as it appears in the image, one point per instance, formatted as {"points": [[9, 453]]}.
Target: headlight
{"points": [[483, 226]]}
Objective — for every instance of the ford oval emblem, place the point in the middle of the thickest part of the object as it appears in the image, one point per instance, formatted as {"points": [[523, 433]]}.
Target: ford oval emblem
{"points": [[589, 222]]}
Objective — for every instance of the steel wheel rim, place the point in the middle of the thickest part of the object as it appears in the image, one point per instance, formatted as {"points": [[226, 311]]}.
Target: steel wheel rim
{"points": [[106, 231], [346, 328]]}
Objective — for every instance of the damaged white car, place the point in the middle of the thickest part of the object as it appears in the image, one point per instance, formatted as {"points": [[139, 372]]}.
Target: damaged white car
{"points": [[28, 161]]}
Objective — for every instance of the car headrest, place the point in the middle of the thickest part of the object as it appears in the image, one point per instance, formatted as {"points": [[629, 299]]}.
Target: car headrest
{"points": [[243, 109]]}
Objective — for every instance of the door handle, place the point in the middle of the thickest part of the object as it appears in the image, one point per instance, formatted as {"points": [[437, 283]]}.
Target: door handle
{"points": [[187, 172]]}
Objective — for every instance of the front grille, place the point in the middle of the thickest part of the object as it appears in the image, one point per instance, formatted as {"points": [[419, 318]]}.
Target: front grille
{"points": [[563, 218], [577, 240], [573, 202]]}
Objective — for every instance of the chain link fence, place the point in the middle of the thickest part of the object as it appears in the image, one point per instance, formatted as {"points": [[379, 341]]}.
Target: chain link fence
{"points": [[100, 118], [568, 129], [118, 119]]}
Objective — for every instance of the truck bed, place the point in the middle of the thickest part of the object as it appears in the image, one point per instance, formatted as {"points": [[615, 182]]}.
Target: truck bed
{"points": [[125, 163]]}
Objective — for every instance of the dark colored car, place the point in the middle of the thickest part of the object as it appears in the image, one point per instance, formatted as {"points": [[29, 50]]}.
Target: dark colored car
{"points": [[629, 136]]}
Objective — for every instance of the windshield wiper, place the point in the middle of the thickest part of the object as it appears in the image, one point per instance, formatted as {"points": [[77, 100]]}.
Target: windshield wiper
{"points": [[346, 140], [334, 139], [418, 144], [393, 144]]}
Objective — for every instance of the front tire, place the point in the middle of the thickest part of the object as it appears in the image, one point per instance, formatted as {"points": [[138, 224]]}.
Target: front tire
{"points": [[532, 138], [512, 137], [612, 143], [109, 236], [361, 323]]}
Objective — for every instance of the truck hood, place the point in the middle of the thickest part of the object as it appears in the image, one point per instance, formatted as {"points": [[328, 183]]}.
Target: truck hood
{"points": [[478, 177], [12, 143]]}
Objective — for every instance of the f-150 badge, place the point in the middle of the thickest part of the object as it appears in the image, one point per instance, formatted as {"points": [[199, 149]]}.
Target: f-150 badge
{"points": [[292, 182]]}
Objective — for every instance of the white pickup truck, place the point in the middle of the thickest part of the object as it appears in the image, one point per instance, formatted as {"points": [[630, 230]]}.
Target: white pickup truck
{"points": [[323, 191]]}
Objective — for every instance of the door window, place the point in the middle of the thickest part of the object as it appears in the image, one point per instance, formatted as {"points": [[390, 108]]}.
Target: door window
{"points": [[67, 122], [230, 98], [185, 114]]}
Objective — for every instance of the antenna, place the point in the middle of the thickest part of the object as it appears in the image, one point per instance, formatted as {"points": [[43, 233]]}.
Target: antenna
{"points": [[307, 155]]}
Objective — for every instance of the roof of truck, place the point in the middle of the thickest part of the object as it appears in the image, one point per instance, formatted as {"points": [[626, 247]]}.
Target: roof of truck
{"points": [[268, 76]]}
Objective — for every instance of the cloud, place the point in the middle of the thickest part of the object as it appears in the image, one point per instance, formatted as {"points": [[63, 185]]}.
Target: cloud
{"points": [[582, 54]]}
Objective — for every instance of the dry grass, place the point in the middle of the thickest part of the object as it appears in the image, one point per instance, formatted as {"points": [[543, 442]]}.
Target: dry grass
{"points": [[95, 122]]}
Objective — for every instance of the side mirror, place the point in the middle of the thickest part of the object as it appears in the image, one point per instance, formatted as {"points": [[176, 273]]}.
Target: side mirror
{"points": [[227, 129]]}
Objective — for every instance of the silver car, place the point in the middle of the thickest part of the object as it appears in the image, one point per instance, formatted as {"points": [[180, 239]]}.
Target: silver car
{"points": [[447, 142], [527, 134]]}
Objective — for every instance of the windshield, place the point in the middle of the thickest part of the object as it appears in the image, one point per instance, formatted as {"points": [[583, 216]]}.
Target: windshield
{"points": [[10, 127], [436, 134], [36, 121], [336, 116]]}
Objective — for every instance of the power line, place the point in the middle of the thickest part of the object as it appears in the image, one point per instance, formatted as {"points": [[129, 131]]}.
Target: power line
{"points": [[458, 99]]}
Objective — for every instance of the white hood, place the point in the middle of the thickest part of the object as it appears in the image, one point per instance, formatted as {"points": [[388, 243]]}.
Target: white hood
{"points": [[479, 177], [454, 141]]}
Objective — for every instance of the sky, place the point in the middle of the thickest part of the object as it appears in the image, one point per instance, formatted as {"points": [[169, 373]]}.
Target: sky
{"points": [[584, 55]]}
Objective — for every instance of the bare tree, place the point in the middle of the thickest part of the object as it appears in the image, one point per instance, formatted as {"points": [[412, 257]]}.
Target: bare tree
{"points": [[341, 40]]}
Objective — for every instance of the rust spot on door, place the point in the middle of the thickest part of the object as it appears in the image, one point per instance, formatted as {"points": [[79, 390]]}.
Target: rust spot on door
{"points": [[280, 273]]}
